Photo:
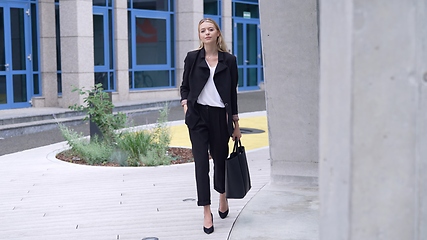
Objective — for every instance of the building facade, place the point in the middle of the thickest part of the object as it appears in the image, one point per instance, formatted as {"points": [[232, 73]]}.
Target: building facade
{"points": [[134, 48]]}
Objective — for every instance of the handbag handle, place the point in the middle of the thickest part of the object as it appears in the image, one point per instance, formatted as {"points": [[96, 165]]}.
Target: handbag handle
{"points": [[236, 145]]}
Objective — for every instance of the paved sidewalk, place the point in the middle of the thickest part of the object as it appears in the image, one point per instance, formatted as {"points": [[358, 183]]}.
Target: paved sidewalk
{"points": [[44, 198]]}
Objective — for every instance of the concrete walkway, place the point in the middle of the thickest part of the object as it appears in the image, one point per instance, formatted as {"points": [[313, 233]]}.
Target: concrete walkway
{"points": [[44, 198]]}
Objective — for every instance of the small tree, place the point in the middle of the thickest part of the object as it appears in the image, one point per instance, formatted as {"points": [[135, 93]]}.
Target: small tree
{"points": [[98, 107]]}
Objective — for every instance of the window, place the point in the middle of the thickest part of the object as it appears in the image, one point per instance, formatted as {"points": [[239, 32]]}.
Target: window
{"points": [[212, 9], [155, 5], [246, 10], [35, 52], [247, 43], [103, 44], [58, 48], [151, 45]]}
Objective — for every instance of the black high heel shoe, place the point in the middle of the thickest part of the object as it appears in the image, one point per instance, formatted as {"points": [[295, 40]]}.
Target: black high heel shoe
{"points": [[223, 214], [209, 230]]}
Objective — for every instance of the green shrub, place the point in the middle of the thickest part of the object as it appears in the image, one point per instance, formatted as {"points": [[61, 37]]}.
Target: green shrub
{"points": [[135, 144], [120, 157], [161, 131], [147, 147], [142, 148], [99, 109], [96, 153], [93, 152], [155, 157]]}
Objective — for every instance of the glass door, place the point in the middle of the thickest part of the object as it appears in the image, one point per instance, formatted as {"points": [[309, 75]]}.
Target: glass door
{"points": [[247, 48], [15, 58]]}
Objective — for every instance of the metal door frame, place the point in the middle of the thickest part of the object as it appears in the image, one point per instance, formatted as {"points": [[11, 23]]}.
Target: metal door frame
{"points": [[245, 66], [9, 72]]}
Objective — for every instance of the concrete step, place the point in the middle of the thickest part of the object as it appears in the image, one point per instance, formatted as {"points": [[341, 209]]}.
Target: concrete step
{"points": [[26, 121]]}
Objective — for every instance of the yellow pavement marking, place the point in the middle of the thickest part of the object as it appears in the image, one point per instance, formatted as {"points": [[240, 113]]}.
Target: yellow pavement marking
{"points": [[250, 141]]}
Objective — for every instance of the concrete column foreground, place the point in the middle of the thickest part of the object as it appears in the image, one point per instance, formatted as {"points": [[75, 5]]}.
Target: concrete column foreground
{"points": [[291, 67], [373, 120]]}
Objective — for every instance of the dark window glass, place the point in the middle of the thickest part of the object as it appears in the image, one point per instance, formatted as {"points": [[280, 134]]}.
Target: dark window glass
{"points": [[130, 39], [19, 88], [2, 44], [210, 7], [247, 1], [159, 5], [151, 45], [110, 38], [58, 50], [99, 2], [251, 44], [18, 38], [240, 81], [36, 84], [35, 52], [246, 10], [3, 92], [98, 40], [102, 77], [252, 77], [239, 43], [130, 80], [59, 82], [149, 79], [172, 77], [112, 81], [58, 38], [172, 41]]}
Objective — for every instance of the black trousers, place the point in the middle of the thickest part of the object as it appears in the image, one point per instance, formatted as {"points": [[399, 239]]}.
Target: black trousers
{"points": [[209, 135]]}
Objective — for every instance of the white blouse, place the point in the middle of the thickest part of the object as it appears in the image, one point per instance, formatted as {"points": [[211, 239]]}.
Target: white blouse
{"points": [[209, 95]]}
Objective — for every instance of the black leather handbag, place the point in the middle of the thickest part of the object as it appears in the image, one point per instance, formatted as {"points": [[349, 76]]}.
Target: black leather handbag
{"points": [[237, 177]]}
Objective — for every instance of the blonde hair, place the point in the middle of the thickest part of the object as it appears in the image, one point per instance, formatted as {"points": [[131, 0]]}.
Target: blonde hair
{"points": [[220, 42]]}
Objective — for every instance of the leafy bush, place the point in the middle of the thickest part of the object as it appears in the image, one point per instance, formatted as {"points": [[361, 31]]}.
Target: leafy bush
{"points": [[161, 132], [155, 157], [93, 152], [135, 144], [148, 147], [99, 109], [142, 148]]}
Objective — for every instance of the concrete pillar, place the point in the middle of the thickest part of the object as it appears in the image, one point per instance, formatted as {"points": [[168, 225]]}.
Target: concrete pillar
{"points": [[76, 49], [227, 23], [188, 15], [289, 32], [373, 120], [121, 49], [47, 55]]}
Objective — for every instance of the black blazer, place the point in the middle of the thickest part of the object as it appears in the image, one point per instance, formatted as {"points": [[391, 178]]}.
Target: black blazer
{"points": [[196, 74]]}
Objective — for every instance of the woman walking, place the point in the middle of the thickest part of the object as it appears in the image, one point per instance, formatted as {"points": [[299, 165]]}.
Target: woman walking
{"points": [[209, 99]]}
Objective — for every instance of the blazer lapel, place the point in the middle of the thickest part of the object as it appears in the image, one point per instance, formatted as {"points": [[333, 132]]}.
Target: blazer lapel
{"points": [[201, 60], [220, 66], [200, 73]]}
